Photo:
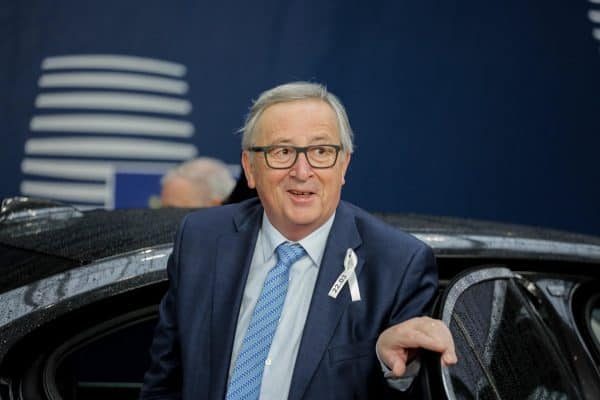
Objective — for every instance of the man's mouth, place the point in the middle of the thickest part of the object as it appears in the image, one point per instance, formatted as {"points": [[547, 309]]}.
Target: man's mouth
{"points": [[300, 193]]}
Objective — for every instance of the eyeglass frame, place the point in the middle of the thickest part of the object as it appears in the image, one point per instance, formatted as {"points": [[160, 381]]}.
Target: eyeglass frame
{"points": [[298, 150]]}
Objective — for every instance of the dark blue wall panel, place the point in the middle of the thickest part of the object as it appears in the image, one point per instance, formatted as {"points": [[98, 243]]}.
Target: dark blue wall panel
{"points": [[465, 108]]}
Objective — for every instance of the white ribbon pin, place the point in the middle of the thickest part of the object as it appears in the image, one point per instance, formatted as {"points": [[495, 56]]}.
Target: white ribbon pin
{"points": [[349, 276]]}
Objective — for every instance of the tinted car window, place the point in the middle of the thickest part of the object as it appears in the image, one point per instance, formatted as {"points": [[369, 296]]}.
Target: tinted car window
{"points": [[505, 349], [110, 366], [595, 321]]}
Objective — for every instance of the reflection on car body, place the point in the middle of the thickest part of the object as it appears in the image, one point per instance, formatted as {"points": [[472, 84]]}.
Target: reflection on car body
{"points": [[79, 293]]}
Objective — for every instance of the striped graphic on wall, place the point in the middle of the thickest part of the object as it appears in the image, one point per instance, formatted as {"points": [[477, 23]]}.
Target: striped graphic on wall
{"points": [[594, 17], [98, 114]]}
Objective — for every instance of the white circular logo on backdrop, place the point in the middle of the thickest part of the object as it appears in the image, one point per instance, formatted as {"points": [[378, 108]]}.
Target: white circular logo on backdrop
{"points": [[99, 115]]}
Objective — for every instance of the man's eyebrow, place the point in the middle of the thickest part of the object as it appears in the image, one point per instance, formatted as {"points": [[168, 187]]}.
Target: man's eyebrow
{"points": [[322, 138]]}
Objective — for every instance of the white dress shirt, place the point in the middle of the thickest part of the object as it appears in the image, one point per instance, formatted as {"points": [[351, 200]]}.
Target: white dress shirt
{"points": [[279, 366]]}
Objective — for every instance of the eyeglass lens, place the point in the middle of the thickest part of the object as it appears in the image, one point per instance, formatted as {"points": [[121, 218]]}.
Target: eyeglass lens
{"points": [[319, 156]]}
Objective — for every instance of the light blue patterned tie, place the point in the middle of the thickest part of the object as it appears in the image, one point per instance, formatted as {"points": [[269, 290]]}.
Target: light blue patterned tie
{"points": [[248, 371]]}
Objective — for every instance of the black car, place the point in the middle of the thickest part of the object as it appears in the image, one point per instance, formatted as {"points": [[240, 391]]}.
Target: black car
{"points": [[79, 292]]}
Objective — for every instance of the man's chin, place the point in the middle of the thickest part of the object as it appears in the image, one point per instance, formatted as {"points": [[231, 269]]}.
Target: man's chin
{"points": [[302, 223], [303, 217]]}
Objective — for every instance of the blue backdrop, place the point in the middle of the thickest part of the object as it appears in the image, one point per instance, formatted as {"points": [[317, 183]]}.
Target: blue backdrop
{"points": [[466, 108]]}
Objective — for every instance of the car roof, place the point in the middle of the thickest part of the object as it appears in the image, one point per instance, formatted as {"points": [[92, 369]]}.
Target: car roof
{"points": [[417, 223], [40, 238], [39, 242]]}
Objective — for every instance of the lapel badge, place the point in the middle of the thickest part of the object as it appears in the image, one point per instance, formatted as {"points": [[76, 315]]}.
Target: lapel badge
{"points": [[347, 276]]}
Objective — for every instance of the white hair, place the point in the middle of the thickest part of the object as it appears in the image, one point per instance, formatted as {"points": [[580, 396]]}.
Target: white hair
{"points": [[291, 92], [208, 175]]}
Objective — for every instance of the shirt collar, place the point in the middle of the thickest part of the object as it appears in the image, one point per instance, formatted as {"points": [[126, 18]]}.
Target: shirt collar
{"points": [[314, 244]]}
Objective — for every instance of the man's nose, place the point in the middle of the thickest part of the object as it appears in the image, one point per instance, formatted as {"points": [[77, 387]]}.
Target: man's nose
{"points": [[302, 169]]}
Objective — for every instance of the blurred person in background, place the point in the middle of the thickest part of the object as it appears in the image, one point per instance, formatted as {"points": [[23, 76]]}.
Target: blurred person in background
{"points": [[201, 182]]}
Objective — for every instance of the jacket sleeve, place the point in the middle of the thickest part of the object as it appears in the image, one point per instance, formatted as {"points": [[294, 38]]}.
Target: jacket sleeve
{"points": [[415, 299], [163, 380], [418, 287]]}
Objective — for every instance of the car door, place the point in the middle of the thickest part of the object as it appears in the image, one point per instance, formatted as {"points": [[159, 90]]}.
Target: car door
{"points": [[516, 337]]}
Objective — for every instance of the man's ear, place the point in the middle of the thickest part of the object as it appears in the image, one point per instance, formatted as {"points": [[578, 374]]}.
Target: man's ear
{"points": [[248, 169], [345, 164]]}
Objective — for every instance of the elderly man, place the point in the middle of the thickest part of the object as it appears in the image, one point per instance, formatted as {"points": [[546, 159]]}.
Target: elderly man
{"points": [[201, 182], [296, 294]]}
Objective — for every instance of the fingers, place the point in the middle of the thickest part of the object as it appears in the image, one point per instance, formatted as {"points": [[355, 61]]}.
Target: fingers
{"points": [[426, 336], [396, 343], [394, 357], [443, 343], [397, 365], [442, 338]]}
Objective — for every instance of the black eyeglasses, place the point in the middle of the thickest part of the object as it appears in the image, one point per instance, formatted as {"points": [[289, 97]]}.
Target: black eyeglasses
{"points": [[319, 156]]}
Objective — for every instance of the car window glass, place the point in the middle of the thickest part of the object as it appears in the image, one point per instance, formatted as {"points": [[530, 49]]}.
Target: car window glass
{"points": [[110, 366], [595, 322], [503, 347]]}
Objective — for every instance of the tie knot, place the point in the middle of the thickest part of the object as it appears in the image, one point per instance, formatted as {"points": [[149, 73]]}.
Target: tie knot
{"points": [[289, 253]]}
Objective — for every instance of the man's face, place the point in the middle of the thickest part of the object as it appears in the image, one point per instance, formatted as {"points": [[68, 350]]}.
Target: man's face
{"points": [[299, 199]]}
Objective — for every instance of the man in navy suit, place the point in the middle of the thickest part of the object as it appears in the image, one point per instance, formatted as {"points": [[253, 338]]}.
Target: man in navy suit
{"points": [[349, 325]]}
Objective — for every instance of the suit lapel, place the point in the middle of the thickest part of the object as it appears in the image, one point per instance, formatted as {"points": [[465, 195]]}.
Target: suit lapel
{"points": [[233, 258], [325, 312]]}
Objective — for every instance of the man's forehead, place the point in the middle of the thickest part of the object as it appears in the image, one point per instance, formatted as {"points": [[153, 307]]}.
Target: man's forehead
{"points": [[316, 114]]}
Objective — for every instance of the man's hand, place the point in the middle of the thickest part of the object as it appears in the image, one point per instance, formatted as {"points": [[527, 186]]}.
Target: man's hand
{"points": [[398, 345]]}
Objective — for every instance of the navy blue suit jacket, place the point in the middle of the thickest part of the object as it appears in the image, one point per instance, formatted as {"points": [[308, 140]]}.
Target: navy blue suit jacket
{"points": [[208, 269]]}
